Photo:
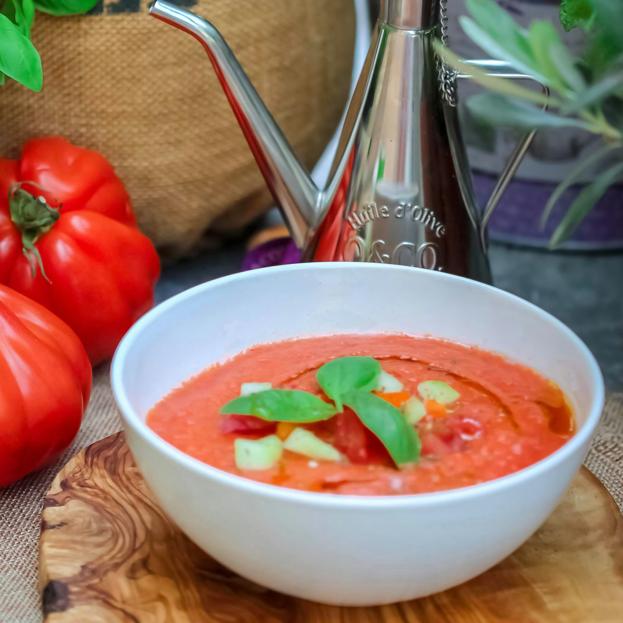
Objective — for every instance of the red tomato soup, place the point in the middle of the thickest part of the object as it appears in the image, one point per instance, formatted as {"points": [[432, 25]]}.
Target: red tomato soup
{"points": [[492, 418]]}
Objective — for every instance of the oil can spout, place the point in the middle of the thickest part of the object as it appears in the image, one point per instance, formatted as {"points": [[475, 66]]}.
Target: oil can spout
{"points": [[289, 182]]}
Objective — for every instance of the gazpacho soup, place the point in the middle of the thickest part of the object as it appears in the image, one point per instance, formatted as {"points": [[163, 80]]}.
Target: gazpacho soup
{"points": [[366, 415]]}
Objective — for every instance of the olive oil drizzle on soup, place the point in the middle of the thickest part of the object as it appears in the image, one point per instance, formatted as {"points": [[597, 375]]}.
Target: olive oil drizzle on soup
{"points": [[498, 417]]}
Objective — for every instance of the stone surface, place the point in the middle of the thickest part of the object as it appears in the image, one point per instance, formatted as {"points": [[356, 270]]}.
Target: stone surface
{"points": [[584, 290]]}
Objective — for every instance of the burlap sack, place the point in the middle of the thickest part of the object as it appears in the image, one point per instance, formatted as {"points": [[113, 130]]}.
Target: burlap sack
{"points": [[145, 95]]}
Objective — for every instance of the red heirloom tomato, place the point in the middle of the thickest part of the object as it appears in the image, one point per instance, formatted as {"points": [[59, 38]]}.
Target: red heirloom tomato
{"points": [[356, 441], [246, 424], [45, 382], [68, 240]]}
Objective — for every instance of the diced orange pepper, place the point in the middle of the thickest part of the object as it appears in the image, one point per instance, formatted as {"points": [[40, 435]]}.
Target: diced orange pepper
{"points": [[284, 429], [435, 409], [394, 398]]}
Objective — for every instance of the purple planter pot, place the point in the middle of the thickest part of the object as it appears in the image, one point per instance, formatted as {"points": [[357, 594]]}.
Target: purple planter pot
{"points": [[516, 219]]}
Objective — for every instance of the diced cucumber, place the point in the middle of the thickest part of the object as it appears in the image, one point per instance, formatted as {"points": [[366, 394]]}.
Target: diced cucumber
{"points": [[303, 441], [258, 454], [246, 389], [439, 391], [388, 384], [414, 410]]}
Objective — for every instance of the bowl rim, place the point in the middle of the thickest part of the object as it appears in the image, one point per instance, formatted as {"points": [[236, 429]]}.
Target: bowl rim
{"points": [[131, 419]]}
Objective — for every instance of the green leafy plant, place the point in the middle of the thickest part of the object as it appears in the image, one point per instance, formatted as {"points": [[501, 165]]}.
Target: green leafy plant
{"points": [[19, 59], [585, 91]]}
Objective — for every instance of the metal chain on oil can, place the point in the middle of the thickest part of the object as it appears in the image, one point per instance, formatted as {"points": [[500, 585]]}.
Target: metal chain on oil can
{"points": [[447, 76]]}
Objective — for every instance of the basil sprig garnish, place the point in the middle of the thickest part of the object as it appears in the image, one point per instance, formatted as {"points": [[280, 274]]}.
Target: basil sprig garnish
{"points": [[19, 58], [347, 381], [388, 424], [282, 405], [347, 374]]}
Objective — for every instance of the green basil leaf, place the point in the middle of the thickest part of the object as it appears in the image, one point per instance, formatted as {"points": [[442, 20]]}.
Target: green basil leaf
{"points": [[388, 424], [18, 57], [27, 15], [501, 110], [20, 12], [346, 374], [281, 405], [2, 79], [585, 202], [65, 7], [574, 13]]}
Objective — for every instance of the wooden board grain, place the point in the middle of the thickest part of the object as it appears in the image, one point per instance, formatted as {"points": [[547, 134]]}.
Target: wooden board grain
{"points": [[110, 555]]}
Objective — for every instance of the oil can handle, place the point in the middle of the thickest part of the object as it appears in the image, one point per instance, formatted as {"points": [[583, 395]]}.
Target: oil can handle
{"points": [[501, 69]]}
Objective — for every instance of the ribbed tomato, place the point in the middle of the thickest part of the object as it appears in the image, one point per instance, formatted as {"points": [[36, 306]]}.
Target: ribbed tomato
{"points": [[45, 382], [68, 240]]}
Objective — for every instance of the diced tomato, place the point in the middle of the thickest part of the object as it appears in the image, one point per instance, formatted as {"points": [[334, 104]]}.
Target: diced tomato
{"points": [[453, 440], [432, 445], [444, 438], [246, 424], [394, 398], [354, 440], [351, 437]]}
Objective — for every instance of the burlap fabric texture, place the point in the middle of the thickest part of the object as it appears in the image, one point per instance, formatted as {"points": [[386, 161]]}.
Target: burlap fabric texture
{"points": [[145, 95], [20, 505]]}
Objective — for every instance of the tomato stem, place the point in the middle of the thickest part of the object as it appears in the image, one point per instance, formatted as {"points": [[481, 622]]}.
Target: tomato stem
{"points": [[33, 217]]}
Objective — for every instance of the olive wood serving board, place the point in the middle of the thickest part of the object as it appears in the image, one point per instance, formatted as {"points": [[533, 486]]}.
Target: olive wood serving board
{"points": [[109, 554]]}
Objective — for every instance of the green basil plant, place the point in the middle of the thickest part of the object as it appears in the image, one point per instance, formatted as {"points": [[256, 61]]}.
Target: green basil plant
{"points": [[19, 59], [586, 91]]}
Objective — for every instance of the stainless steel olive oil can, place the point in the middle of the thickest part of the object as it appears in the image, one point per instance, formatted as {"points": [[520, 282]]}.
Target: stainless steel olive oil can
{"points": [[400, 189]]}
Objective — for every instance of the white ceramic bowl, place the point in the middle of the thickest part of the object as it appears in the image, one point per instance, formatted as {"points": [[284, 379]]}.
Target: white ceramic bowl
{"points": [[345, 549]]}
